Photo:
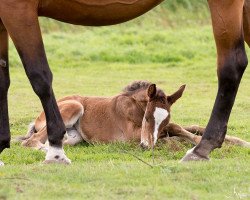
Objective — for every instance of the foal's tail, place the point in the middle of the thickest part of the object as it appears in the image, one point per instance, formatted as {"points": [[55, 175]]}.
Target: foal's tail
{"points": [[30, 132]]}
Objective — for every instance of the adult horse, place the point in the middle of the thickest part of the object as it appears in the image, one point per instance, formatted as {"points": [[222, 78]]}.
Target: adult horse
{"points": [[19, 19]]}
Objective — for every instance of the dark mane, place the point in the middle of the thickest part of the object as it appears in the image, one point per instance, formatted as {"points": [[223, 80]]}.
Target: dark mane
{"points": [[136, 85], [141, 85]]}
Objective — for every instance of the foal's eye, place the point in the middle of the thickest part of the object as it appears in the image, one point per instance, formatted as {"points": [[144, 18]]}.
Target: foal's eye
{"points": [[147, 119]]}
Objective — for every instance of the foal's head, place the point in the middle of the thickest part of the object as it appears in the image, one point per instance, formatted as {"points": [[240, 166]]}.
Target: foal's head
{"points": [[157, 114]]}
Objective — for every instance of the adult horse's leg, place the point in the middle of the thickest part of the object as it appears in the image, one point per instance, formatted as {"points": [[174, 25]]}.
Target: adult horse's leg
{"points": [[232, 61], [21, 22], [4, 85], [246, 21]]}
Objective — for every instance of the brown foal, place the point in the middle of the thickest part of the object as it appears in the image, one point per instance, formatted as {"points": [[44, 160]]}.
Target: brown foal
{"points": [[140, 113], [19, 19]]}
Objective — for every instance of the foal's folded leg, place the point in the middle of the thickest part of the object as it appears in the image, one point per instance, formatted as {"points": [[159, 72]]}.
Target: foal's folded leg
{"points": [[236, 141], [198, 130], [195, 129], [175, 130], [73, 137], [70, 111], [37, 140]]}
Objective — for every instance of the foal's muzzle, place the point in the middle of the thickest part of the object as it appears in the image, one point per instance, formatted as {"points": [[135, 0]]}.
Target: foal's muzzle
{"points": [[143, 146]]}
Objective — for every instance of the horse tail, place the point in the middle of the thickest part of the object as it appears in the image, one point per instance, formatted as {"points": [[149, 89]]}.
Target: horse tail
{"points": [[30, 132], [237, 141]]}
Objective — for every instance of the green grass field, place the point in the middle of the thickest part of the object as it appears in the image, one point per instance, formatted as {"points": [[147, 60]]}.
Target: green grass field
{"points": [[164, 47]]}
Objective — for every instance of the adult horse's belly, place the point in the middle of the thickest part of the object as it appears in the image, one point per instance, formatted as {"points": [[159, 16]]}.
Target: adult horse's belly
{"points": [[95, 12]]}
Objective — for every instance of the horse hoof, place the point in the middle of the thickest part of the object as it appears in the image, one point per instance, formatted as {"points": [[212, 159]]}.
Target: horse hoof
{"points": [[56, 155], [1, 164], [191, 156], [58, 161]]}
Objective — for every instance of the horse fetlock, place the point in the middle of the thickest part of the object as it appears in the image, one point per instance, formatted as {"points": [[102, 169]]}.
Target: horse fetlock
{"points": [[56, 155], [4, 143], [58, 136]]}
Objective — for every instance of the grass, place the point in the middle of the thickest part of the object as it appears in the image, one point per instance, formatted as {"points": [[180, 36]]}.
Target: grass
{"points": [[101, 61]]}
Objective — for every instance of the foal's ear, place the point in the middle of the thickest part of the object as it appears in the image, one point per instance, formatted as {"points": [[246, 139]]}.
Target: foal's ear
{"points": [[151, 91], [174, 97]]}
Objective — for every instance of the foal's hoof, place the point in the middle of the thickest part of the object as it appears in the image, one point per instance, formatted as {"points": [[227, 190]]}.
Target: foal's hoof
{"points": [[44, 149], [143, 146], [56, 155], [1, 164], [191, 156]]}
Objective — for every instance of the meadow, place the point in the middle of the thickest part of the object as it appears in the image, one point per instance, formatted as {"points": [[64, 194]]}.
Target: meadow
{"points": [[170, 46]]}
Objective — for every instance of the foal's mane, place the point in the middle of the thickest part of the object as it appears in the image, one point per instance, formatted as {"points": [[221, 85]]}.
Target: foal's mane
{"points": [[136, 85], [140, 85]]}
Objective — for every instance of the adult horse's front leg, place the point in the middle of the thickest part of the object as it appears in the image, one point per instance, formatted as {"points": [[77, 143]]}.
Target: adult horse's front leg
{"points": [[232, 61], [23, 27], [4, 85]]}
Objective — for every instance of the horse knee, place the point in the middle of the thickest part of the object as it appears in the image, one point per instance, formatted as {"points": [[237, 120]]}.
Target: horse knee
{"points": [[241, 58], [232, 69], [41, 82]]}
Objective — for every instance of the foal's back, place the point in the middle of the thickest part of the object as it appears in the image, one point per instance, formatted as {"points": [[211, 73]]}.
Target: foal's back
{"points": [[108, 119]]}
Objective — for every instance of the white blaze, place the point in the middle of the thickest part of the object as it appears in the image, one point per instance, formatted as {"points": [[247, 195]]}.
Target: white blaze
{"points": [[160, 114]]}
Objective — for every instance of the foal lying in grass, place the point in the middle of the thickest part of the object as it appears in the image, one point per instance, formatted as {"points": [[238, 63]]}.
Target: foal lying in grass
{"points": [[141, 112]]}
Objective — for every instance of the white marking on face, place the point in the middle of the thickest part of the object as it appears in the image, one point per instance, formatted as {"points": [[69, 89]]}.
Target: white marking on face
{"points": [[159, 114], [144, 141]]}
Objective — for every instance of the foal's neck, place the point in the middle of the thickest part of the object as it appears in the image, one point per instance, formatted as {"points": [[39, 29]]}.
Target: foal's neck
{"points": [[141, 99]]}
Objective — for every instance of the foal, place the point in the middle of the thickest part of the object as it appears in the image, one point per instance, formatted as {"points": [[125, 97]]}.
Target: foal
{"points": [[141, 113]]}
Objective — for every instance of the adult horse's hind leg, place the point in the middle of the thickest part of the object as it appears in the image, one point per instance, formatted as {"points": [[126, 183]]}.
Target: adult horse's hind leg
{"points": [[232, 60], [22, 25], [4, 85]]}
